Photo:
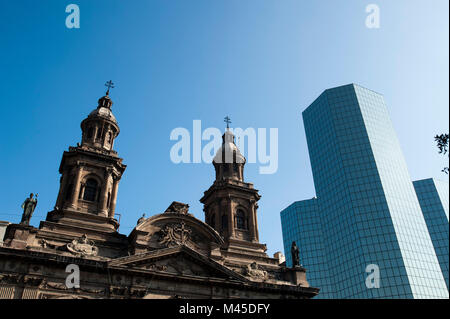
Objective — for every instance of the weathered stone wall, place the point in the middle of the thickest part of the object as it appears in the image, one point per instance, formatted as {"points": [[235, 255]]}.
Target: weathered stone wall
{"points": [[35, 275], [3, 226]]}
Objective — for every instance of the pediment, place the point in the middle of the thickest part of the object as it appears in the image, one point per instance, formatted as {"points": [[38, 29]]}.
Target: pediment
{"points": [[173, 229], [179, 261]]}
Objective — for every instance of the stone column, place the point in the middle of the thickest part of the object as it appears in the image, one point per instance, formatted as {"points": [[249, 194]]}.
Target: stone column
{"points": [[105, 134], [113, 139], [255, 222], [76, 187], [94, 136], [112, 207], [103, 211], [81, 194], [252, 227], [230, 217]]}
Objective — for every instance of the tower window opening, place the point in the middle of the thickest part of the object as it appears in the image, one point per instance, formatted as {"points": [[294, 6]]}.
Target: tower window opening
{"points": [[240, 219], [90, 132], [90, 190], [99, 133]]}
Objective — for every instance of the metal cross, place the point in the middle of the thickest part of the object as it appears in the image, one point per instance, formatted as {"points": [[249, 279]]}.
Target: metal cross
{"points": [[110, 85], [228, 121]]}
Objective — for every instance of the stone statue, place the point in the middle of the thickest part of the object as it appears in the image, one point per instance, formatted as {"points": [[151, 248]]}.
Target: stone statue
{"points": [[295, 255], [28, 207]]}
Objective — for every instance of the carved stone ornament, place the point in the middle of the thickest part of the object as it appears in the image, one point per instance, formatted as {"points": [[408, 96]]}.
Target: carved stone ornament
{"points": [[175, 235], [253, 271], [82, 246], [45, 244], [178, 208], [156, 267], [10, 278], [57, 286], [33, 280]]}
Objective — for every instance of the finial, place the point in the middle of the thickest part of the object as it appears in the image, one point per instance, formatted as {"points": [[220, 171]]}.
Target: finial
{"points": [[228, 121], [110, 85]]}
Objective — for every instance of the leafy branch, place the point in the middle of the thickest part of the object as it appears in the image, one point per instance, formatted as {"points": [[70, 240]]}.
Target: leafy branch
{"points": [[442, 144]]}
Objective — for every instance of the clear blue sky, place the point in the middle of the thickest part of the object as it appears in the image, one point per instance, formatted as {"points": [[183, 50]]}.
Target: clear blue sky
{"points": [[261, 62]]}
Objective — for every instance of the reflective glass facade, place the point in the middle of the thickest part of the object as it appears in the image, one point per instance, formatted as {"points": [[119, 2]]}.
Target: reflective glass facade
{"points": [[433, 198], [367, 206], [301, 223]]}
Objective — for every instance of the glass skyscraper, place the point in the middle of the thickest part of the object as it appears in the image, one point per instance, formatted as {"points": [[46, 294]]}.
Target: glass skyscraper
{"points": [[301, 223], [433, 198], [366, 205]]}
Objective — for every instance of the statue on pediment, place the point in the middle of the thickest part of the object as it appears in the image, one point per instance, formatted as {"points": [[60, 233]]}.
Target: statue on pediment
{"points": [[28, 207], [295, 252]]}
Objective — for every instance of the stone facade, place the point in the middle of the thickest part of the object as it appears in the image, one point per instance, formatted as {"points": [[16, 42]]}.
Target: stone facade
{"points": [[3, 226], [169, 255]]}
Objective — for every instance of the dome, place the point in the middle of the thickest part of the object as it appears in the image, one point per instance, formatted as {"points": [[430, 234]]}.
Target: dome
{"points": [[103, 112], [100, 127], [228, 148]]}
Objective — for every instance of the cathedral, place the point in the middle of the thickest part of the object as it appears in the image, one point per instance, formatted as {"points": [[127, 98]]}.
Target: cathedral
{"points": [[78, 253]]}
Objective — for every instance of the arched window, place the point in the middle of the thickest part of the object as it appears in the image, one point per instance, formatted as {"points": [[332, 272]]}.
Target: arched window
{"points": [[224, 222], [90, 190], [240, 219]]}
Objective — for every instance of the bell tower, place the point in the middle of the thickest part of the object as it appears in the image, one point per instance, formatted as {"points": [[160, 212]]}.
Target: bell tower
{"points": [[230, 204], [90, 173]]}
